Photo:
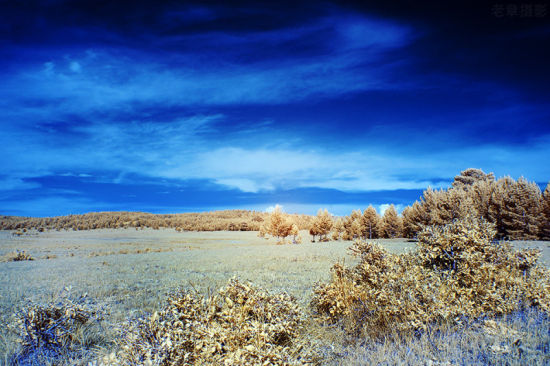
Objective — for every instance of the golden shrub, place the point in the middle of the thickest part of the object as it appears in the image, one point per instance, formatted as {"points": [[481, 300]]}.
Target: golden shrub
{"points": [[19, 255], [240, 325], [457, 271]]}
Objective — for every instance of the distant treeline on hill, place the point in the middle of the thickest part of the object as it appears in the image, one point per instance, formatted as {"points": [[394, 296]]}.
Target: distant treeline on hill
{"points": [[517, 208], [234, 220]]}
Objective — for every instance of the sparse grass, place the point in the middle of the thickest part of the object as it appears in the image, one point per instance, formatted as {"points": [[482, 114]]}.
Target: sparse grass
{"points": [[135, 284], [520, 338], [64, 331]]}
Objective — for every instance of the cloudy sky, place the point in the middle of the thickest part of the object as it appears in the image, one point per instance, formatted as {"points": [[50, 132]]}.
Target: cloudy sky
{"points": [[192, 106]]}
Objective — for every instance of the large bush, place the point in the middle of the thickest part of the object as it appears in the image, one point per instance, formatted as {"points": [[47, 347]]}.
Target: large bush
{"points": [[457, 270], [241, 325]]}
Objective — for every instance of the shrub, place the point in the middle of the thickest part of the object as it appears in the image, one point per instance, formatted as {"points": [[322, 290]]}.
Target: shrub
{"points": [[457, 271], [62, 332], [241, 325], [18, 256]]}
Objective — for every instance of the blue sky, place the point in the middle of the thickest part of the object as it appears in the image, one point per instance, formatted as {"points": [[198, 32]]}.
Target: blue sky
{"points": [[192, 106]]}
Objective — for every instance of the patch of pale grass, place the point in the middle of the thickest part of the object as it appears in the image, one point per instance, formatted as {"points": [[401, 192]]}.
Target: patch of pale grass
{"points": [[520, 338]]}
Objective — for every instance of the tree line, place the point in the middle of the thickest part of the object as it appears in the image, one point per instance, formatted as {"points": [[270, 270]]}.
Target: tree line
{"points": [[518, 209]]}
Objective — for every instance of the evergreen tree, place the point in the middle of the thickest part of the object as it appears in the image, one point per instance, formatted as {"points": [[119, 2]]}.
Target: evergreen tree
{"points": [[337, 229], [544, 227], [414, 218], [278, 225], [391, 225], [470, 176], [322, 224], [516, 208], [369, 223]]}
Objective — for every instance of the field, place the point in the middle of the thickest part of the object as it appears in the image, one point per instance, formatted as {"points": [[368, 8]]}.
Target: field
{"points": [[130, 272]]}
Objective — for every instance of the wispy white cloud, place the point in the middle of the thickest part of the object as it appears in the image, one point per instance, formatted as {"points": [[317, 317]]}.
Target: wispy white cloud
{"points": [[102, 78]]}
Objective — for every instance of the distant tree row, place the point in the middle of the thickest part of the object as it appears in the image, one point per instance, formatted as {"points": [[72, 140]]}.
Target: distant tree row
{"points": [[234, 220], [368, 225]]}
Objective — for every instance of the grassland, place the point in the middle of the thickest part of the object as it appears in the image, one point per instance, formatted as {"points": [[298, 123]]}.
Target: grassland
{"points": [[129, 272]]}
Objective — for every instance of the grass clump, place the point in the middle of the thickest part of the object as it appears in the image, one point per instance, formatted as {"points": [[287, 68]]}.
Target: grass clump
{"points": [[457, 271], [240, 325], [19, 255], [60, 333]]}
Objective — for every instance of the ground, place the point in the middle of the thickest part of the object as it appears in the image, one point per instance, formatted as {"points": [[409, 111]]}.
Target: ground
{"points": [[131, 271]]}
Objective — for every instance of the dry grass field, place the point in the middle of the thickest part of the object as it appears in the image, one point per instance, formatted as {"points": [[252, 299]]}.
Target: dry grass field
{"points": [[130, 272]]}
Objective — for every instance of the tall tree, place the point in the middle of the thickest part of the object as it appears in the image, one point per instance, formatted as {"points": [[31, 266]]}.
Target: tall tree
{"points": [[352, 225], [369, 223], [414, 218], [321, 225], [482, 195], [544, 227], [278, 225], [516, 208], [470, 176], [391, 225]]}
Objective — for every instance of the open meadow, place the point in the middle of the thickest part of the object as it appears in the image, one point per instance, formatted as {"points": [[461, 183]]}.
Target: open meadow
{"points": [[128, 272], [133, 270]]}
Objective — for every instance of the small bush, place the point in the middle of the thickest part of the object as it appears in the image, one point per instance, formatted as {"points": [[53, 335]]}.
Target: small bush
{"points": [[18, 256], [457, 271], [57, 333], [241, 325]]}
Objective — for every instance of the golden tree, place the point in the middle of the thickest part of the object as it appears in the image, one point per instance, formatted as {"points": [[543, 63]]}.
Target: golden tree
{"points": [[295, 233], [337, 229], [391, 225], [521, 215], [414, 218], [470, 176], [482, 195], [369, 223], [321, 226], [352, 225], [278, 225], [544, 228]]}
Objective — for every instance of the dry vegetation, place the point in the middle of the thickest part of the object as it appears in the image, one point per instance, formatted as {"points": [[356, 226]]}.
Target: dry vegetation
{"points": [[64, 331], [18, 255], [240, 325], [457, 271], [280, 225], [131, 287]]}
